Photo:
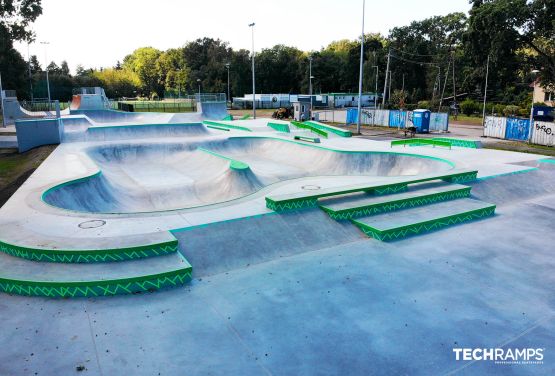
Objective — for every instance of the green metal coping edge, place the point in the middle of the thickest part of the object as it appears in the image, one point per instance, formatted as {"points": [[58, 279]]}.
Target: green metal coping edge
{"points": [[459, 142], [315, 140], [228, 117], [311, 201], [426, 226], [90, 255], [329, 128], [393, 205], [234, 164], [238, 127], [218, 128], [421, 141], [279, 127], [310, 128], [97, 288], [546, 160], [245, 117]]}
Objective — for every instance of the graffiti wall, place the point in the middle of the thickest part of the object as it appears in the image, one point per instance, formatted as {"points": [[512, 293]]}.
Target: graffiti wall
{"points": [[543, 133], [517, 129], [495, 127]]}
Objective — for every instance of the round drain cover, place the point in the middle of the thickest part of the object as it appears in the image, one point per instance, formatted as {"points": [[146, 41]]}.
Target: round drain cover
{"points": [[311, 187], [92, 224]]}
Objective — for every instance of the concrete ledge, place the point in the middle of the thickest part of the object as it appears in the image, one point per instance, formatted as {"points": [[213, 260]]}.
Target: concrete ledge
{"points": [[38, 132]]}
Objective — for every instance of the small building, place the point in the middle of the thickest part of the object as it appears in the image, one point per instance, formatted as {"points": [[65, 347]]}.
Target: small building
{"points": [[277, 100], [543, 95], [301, 108], [341, 100]]}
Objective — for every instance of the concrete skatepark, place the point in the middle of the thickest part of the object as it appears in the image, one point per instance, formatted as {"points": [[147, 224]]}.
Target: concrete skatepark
{"points": [[230, 247]]}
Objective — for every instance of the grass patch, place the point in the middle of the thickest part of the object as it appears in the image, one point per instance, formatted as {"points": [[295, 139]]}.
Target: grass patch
{"points": [[521, 147]]}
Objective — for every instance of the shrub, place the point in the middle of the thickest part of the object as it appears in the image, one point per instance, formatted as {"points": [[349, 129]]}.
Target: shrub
{"points": [[524, 112], [424, 105], [511, 110], [498, 109], [469, 107]]}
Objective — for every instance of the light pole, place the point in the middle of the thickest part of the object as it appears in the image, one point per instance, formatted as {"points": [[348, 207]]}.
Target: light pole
{"points": [[310, 77], [2, 102], [360, 71], [29, 69], [198, 82], [485, 96], [227, 65], [376, 89], [46, 68], [251, 25]]}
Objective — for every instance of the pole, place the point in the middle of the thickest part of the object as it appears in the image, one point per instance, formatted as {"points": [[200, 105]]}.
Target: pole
{"points": [[310, 83], [386, 75], [29, 68], [253, 77], [403, 87], [2, 102], [454, 89], [444, 85], [228, 92], [46, 68], [485, 97], [359, 113]]}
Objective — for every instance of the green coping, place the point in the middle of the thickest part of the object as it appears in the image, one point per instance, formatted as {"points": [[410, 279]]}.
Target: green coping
{"points": [[54, 289], [89, 255], [279, 127], [329, 128], [218, 128], [426, 226], [399, 204], [245, 117], [421, 142], [310, 128], [228, 117], [546, 160], [224, 125], [234, 164], [315, 140], [459, 142], [293, 200]]}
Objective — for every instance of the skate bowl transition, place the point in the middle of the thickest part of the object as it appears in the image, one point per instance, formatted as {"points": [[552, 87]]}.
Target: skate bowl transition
{"points": [[160, 176]]}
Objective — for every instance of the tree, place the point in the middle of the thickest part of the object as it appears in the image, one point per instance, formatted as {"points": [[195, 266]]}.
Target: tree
{"points": [[118, 83], [64, 68], [143, 62], [278, 69], [16, 16]]}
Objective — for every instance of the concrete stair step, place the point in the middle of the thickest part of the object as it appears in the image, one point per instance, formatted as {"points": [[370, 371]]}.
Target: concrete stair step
{"points": [[364, 204], [400, 224], [26, 277]]}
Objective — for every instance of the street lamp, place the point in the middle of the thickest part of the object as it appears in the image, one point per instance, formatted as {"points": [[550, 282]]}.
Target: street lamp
{"points": [[376, 90], [360, 71], [310, 83], [198, 82], [46, 68], [227, 65], [251, 25]]}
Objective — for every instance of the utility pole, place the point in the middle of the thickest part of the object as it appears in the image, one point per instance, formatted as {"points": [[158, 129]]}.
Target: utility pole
{"points": [[360, 71], [251, 25], [310, 83], [376, 89], [386, 76], [444, 85], [454, 89], [485, 96], [403, 87]]}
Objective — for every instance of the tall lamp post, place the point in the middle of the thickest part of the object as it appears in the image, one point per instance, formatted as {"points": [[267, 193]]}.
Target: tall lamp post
{"points": [[485, 96], [198, 82], [46, 68], [310, 77], [360, 71], [227, 65], [251, 25]]}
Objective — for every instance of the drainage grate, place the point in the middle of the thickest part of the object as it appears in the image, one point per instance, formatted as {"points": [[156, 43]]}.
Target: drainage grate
{"points": [[92, 224]]}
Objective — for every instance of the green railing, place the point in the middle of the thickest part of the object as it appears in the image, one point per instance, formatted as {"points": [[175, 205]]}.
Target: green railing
{"points": [[157, 106]]}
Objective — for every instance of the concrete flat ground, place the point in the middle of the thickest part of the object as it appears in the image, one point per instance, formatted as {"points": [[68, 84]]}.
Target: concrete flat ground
{"points": [[325, 302]]}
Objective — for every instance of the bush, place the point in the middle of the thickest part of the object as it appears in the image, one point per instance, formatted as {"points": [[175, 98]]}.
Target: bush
{"points": [[469, 107], [424, 105], [498, 109], [524, 112], [511, 110]]}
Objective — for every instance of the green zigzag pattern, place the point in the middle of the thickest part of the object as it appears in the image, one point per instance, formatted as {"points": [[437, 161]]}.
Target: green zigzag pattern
{"points": [[89, 256], [463, 178], [291, 205], [392, 206], [102, 288], [458, 142], [425, 227], [390, 189]]}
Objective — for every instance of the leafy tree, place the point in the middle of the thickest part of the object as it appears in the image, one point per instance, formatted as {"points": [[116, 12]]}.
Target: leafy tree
{"points": [[118, 83], [64, 68], [143, 62], [16, 17]]}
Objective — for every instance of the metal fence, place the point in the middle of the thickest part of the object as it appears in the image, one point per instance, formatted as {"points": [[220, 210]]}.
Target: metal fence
{"points": [[157, 106], [42, 105], [517, 129]]}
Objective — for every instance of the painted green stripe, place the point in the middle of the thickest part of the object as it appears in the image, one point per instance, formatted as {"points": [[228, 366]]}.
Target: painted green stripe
{"points": [[89, 255], [96, 288]]}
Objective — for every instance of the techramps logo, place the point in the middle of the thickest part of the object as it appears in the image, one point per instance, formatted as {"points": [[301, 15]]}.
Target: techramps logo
{"points": [[522, 356]]}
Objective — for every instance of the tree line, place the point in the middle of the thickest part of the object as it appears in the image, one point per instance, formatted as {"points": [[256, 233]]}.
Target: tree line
{"points": [[441, 56]]}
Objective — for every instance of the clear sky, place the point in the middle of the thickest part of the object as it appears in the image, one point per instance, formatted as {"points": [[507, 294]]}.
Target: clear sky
{"points": [[97, 33]]}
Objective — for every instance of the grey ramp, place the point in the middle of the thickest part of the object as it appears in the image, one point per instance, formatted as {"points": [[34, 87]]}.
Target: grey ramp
{"points": [[225, 246], [138, 177], [213, 110]]}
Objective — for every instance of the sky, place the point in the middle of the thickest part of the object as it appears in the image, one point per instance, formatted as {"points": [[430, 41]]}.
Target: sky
{"points": [[98, 33]]}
